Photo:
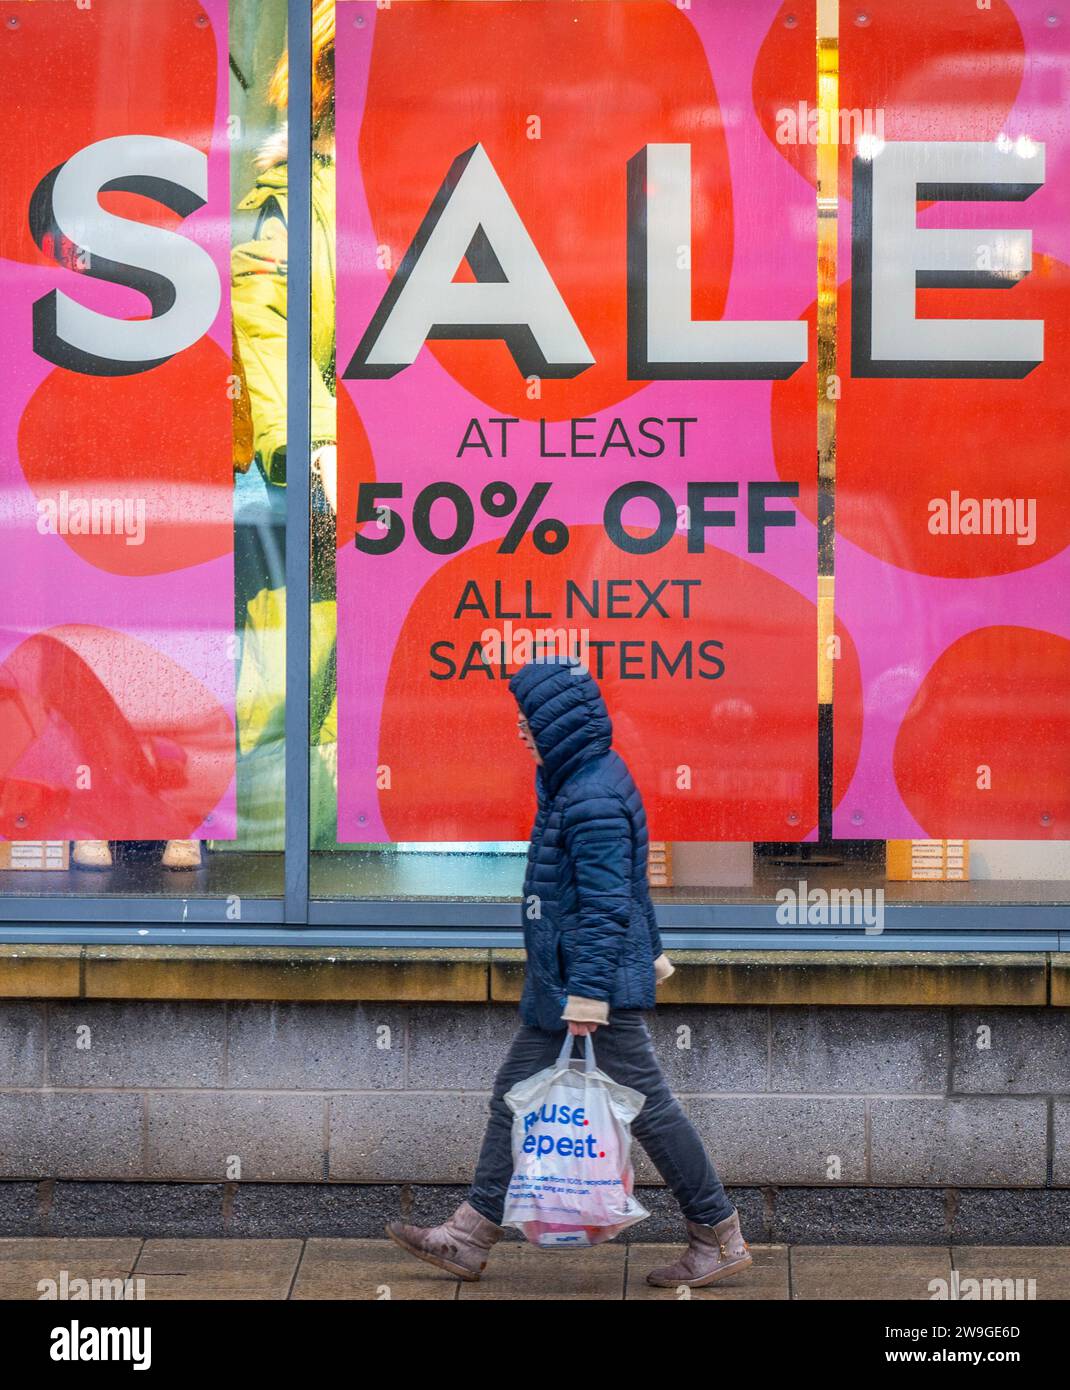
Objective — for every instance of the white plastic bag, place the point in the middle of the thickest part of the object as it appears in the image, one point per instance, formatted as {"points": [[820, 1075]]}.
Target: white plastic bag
{"points": [[572, 1169]]}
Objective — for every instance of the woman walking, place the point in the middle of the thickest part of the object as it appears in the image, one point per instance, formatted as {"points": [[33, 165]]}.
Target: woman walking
{"points": [[593, 958]]}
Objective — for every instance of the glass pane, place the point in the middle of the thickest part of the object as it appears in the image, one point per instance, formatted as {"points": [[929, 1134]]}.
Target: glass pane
{"points": [[946, 338], [515, 460], [546, 246], [142, 272]]}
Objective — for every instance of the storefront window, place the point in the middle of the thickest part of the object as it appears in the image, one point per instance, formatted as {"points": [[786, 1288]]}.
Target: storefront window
{"points": [[815, 684], [143, 275], [737, 376]]}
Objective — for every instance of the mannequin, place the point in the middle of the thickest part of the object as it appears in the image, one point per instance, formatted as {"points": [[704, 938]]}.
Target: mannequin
{"points": [[258, 301], [96, 854], [259, 305]]}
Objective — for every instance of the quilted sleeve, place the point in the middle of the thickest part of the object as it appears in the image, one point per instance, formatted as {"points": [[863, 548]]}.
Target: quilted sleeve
{"points": [[652, 924], [597, 836]]}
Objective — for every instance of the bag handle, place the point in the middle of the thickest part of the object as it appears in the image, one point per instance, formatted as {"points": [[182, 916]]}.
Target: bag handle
{"points": [[565, 1055]]}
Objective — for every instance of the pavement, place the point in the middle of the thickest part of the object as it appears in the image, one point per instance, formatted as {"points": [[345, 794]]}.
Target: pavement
{"points": [[377, 1269]]}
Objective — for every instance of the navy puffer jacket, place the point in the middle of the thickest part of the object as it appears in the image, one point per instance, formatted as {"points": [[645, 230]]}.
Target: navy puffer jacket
{"points": [[589, 924]]}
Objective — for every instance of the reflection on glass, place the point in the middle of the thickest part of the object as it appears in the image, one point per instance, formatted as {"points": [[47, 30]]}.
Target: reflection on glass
{"points": [[137, 507], [988, 871]]}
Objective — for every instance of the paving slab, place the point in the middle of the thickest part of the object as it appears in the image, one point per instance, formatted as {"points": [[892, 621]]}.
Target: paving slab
{"points": [[523, 1272], [24, 1263], [368, 1269], [867, 1271], [766, 1280], [372, 1269], [218, 1269], [1048, 1265]]}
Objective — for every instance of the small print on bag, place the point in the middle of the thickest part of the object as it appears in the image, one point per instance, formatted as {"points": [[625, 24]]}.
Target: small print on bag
{"points": [[572, 1180]]}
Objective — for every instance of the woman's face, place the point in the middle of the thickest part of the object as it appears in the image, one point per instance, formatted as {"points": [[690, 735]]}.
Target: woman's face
{"points": [[524, 730]]}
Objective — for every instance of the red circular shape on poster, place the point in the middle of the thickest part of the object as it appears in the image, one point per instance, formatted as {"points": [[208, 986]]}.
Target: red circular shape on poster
{"points": [[994, 699], [602, 81], [947, 71], [355, 464], [904, 444], [145, 484], [72, 76], [104, 737]]}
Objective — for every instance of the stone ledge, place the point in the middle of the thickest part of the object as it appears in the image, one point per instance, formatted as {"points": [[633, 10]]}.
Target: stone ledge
{"points": [[40, 972], [466, 975], [285, 972], [1060, 980], [936, 978]]}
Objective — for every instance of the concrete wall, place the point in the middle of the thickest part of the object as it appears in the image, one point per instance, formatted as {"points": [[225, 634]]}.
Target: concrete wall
{"points": [[248, 1093]]}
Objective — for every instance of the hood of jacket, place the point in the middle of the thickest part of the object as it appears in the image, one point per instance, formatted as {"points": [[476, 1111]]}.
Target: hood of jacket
{"points": [[566, 713]]}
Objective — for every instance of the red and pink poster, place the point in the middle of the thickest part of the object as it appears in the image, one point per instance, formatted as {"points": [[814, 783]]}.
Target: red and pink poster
{"points": [[572, 263], [116, 474], [952, 511]]}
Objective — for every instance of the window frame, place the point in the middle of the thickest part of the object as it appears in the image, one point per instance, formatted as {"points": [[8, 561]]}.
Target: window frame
{"points": [[406, 923]]}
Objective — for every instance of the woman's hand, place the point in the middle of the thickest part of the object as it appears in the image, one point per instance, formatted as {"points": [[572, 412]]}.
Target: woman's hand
{"points": [[325, 463], [581, 1030]]}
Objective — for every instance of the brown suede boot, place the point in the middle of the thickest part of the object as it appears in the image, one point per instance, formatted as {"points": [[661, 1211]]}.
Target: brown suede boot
{"points": [[459, 1246], [713, 1253]]}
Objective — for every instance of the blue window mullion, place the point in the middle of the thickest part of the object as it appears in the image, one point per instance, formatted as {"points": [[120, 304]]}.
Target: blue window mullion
{"points": [[298, 457]]}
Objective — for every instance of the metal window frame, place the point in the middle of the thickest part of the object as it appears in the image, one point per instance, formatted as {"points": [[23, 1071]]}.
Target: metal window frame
{"points": [[299, 450], [102, 919], [428, 923]]}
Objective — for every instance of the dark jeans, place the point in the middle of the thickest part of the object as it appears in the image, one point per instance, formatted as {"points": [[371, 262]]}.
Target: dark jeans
{"points": [[624, 1051]]}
